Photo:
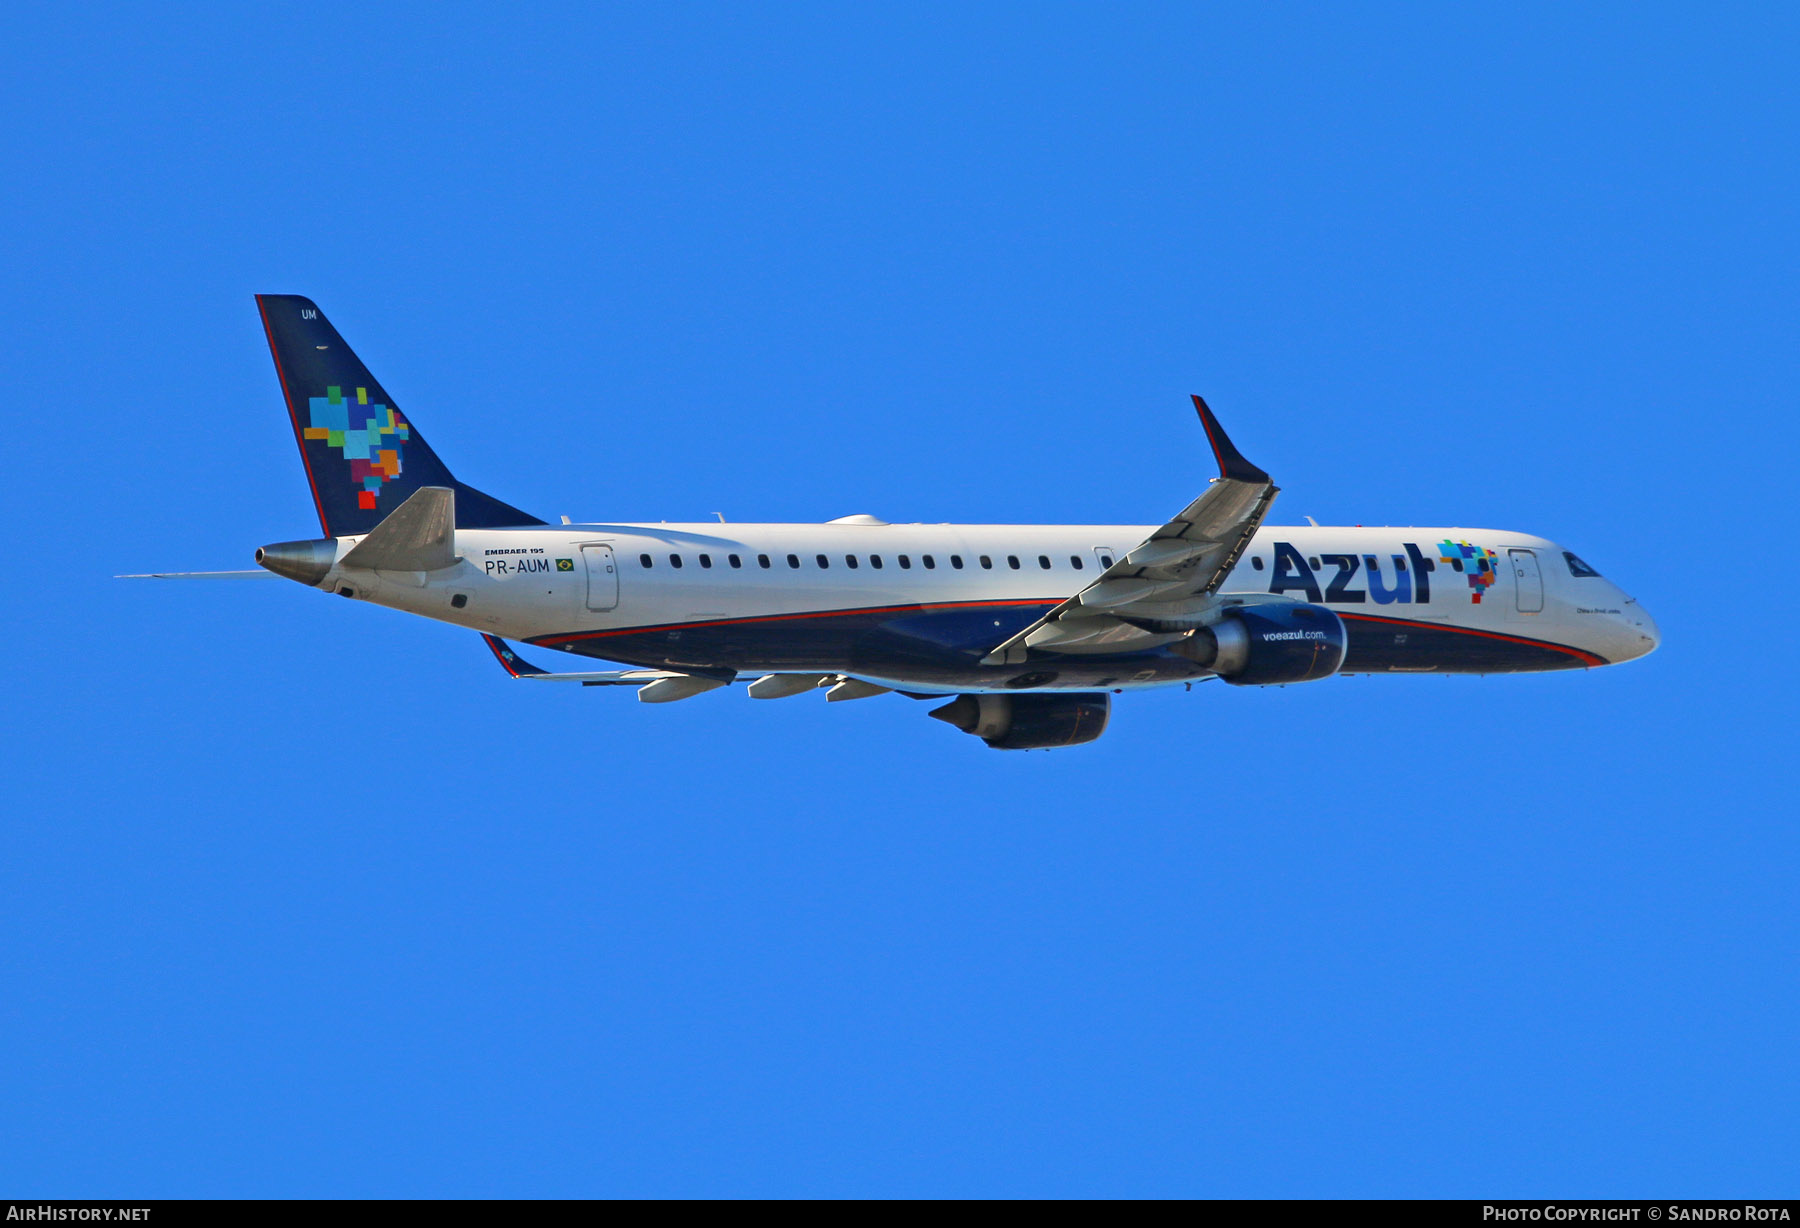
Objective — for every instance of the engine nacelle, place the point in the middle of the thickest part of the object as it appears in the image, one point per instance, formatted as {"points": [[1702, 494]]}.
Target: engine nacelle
{"points": [[1270, 644], [1029, 722]]}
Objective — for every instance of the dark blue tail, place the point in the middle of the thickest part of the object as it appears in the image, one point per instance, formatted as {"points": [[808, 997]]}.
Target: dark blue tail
{"points": [[362, 457]]}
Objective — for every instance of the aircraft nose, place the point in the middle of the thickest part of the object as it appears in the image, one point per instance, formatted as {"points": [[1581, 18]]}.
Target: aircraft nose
{"points": [[1642, 635]]}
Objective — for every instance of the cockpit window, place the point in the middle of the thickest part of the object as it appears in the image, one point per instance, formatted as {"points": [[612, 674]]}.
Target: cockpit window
{"points": [[1579, 569]]}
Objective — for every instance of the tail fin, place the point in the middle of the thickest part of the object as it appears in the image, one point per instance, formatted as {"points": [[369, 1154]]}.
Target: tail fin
{"points": [[362, 457]]}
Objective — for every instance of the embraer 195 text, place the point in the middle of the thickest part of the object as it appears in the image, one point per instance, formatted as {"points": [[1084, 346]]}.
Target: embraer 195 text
{"points": [[1027, 631]]}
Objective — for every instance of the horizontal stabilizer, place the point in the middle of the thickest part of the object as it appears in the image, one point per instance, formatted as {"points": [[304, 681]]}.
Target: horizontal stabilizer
{"points": [[419, 535]]}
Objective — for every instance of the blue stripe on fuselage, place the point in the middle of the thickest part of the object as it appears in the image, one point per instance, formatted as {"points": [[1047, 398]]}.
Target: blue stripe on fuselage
{"points": [[942, 644]]}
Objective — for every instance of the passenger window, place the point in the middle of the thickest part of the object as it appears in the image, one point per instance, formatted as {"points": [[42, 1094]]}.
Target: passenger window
{"points": [[1313, 562], [675, 560], [644, 559], [850, 561], [1044, 561], [1579, 569], [929, 562], [734, 560], [794, 561], [905, 562], [706, 560], [823, 562], [956, 561], [987, 564], [1399, 564], [875, 561], [762, 561], [1075, 561], [1106, 560], [1256, 564], [1012, 561]]}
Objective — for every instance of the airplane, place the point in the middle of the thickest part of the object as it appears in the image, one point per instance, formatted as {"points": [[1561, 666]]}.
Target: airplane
{"points": [[1024, 632]]}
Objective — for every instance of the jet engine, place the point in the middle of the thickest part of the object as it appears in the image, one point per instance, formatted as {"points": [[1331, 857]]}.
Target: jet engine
{"points": [[1029, 722], [1270, 644]]}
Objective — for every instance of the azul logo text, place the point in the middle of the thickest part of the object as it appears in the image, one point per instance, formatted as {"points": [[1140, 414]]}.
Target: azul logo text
{"points": [[1400, 579]]}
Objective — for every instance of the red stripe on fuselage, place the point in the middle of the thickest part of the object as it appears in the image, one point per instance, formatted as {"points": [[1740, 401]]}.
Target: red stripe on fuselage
{"points": [[770, 618], [1586, 658]]}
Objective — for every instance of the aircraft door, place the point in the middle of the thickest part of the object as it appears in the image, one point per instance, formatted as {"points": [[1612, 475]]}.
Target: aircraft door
{"points": [[1528, 581], [602, 577]]}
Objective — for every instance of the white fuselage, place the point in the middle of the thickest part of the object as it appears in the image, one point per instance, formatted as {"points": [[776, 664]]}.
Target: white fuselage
{"points": [[757, 595]]}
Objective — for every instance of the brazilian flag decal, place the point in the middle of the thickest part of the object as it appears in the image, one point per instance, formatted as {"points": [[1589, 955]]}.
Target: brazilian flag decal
{"points": [[565, 564]]}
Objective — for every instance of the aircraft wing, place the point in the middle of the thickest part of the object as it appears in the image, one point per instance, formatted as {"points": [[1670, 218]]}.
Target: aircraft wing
{"points": [[655, 686], [1145, 598], [662, 685], [519, 667]]}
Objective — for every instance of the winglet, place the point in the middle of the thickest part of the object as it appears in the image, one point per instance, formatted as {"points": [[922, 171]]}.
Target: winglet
{"points": [[1231, 462], [510, 661]]}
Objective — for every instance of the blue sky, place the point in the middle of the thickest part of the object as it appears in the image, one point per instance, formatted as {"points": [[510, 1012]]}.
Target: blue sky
{"points": [[302, 897]]}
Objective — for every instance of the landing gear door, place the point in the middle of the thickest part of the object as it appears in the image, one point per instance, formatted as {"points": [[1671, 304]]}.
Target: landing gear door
{"points": [[602, 577], [1528, 581]]}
